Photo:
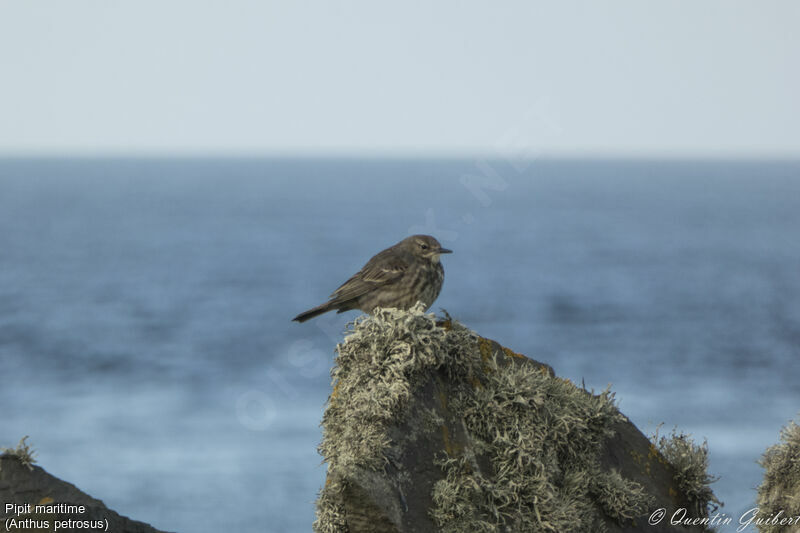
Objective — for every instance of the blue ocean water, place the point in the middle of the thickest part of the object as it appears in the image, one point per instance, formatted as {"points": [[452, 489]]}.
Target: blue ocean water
{"points": [[145, 337]]}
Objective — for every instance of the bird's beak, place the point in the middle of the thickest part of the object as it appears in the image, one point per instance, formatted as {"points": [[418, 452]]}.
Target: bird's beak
{"points": [[444, 251]]}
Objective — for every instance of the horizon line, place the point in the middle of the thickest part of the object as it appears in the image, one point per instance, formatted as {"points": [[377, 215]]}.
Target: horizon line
{"points": [[519, 157]]}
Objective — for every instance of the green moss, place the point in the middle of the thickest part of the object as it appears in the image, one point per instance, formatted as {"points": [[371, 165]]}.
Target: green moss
{"points": [[780, 490], [23, 452], [690, 462]]}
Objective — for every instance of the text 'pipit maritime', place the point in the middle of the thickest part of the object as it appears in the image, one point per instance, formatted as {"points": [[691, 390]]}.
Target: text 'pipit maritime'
{"points": [[400, 276]]}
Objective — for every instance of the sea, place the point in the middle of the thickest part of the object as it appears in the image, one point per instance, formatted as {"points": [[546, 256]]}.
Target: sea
{"points": [[147, 348]]}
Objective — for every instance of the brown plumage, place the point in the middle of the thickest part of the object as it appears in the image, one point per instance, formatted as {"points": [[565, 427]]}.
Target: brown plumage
{"points": [[400, 276]]}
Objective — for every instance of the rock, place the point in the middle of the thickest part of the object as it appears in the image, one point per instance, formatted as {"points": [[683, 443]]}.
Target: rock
{"points": [[430, 427], [22, 483]]}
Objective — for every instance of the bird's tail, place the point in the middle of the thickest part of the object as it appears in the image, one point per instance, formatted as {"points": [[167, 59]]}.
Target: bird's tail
{"points": [[311, 313]]}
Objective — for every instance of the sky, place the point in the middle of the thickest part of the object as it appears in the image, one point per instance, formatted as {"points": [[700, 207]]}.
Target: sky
{"points": [[561, 78]]}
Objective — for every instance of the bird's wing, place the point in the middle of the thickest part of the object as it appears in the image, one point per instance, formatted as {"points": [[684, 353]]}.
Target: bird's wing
{"points": [[379, 271]]}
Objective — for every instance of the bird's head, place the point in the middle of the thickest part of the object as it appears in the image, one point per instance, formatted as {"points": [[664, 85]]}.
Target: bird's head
{"points": [[426, 247]]}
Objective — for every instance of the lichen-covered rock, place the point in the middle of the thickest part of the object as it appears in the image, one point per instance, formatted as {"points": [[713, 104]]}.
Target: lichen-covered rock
{"points": [[431, 427], [22, 483], [690, 464], [779, 493]]}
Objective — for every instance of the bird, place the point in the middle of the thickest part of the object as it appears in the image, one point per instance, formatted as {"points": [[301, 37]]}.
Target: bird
{"points": [[399, 276]]}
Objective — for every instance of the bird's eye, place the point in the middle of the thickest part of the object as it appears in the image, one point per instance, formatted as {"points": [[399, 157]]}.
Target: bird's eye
{"points": [[424, 246]]}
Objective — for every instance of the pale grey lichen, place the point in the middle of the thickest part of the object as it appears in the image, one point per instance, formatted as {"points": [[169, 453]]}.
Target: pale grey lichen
{"points": [[539, 434], [690, 462], [330, 511], [780, 490], [23, 452], [372, 378], [620, 498]]}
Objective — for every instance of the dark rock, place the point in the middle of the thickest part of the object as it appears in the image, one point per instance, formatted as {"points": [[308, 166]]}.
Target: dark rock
{"points": [[22, 483], [431, 427]]}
